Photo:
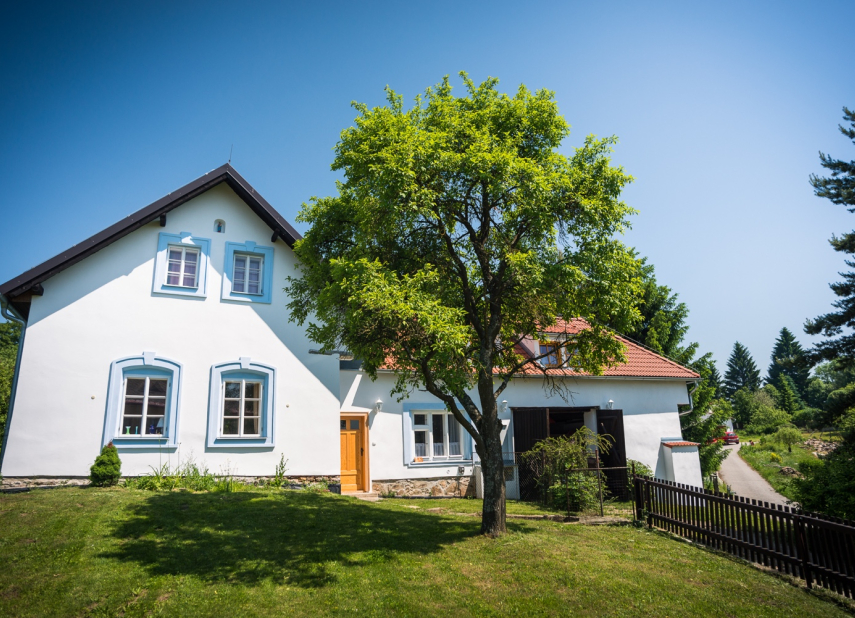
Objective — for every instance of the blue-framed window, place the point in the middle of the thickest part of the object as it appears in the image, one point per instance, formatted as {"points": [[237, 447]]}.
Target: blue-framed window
{"points": [[248, 273], [181, 266], [143, 398], [241, 404], [432, 436]]}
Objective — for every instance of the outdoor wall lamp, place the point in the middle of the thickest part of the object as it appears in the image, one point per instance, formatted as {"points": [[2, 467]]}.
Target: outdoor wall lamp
{"points": [[378, 405], [611, 404]]}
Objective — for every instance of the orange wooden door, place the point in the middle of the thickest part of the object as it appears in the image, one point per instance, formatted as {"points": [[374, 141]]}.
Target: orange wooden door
{"points": [[352, 454]]}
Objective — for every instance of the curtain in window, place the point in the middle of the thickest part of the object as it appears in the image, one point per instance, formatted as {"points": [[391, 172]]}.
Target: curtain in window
{"points": [[453, 437]]}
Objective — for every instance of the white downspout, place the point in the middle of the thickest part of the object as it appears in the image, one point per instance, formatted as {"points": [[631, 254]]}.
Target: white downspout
{"points": [[691, 404]]}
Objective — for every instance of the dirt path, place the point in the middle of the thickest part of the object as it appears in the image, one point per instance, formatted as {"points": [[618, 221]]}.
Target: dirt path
{"points": [[744, 481]]}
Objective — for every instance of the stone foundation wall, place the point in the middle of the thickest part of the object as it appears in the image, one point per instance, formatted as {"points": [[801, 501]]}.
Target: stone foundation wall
{"points": [[34, 482], [456, 486]]}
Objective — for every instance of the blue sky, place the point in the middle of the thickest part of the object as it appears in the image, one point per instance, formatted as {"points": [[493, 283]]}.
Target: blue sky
{"points": [[720, 109]]}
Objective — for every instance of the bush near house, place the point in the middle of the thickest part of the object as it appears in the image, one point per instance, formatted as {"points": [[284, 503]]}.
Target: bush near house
{"points": [[107, 469]]}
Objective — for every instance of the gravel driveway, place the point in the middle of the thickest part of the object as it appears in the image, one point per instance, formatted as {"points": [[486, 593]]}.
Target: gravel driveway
{"points": [[744, 481]]}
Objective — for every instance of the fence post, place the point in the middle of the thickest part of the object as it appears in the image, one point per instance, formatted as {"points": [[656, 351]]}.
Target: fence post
{"points": [[802, 547], [636, 490], [715, 482], [648, 503], [599, 479]]}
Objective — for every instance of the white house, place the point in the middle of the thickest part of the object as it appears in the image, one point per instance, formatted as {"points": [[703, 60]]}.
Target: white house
{"points": [[168, 334]]}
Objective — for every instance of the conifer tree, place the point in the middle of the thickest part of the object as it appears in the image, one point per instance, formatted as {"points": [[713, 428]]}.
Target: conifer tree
{"points": [[840, 189], [788, 358], [741, 371], [787, 399]]}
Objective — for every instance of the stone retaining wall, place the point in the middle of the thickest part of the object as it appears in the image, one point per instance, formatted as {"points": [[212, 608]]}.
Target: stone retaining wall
{"points": [[458, 486], [35, 482]]}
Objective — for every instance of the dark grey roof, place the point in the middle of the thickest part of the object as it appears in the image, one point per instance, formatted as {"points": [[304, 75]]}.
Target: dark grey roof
{"points": [[226, 173]]}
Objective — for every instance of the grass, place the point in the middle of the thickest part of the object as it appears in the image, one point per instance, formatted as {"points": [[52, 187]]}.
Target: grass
{"points": [[119, 551], [762, 457]]}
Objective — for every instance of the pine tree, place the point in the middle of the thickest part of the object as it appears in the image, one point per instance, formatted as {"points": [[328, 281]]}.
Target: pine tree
{"points": [[788, 358], [840, 189], [714, 379], [741, 371], [787, 399]]}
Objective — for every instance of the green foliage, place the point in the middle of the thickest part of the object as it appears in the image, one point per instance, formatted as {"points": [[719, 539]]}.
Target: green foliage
{"points": [[555, 462], [663, 324], [787, 398], [788, 359], [788, 436], [190, 476], [10, 336], [279, 479], [807, 418], [837, 326], [107, 469], [828, 485], [459, 228], [774, 457], [741, 371], [766, 419], [746, 403], [704, 423], [640, 469]]}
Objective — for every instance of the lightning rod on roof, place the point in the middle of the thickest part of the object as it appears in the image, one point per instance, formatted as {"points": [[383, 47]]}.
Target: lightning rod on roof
{"points": [[230, 153]]}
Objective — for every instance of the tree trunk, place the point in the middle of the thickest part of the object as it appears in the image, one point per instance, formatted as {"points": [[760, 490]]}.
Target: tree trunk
{"points": [[492, 464], [493, 513]]}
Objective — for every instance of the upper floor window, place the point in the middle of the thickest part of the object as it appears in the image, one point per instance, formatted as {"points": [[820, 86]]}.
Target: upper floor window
{"points": [[183, 267], [552, 356], [248, 274]]}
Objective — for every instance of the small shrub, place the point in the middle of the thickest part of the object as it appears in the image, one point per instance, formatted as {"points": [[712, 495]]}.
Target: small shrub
{"points": [[278, 479], [107, 469], [640, 470], [775, 458], [788, 436]]}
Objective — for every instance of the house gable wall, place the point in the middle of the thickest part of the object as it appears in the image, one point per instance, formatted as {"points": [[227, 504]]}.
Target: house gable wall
{"points": [[102, 309]]}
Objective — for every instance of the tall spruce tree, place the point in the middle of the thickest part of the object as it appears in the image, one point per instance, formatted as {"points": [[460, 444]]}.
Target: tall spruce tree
{"points": [[840, 189], [787, 399], [788, 358], [741, 371], [663, 326]]}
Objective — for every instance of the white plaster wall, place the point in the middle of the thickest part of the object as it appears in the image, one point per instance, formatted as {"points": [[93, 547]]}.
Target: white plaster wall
{"points": [[649, 407], [102, 309], [686, 465]]}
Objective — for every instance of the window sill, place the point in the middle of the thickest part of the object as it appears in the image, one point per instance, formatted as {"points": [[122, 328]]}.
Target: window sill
{"points": [[242, 442], [131, 442], [439, 463]]}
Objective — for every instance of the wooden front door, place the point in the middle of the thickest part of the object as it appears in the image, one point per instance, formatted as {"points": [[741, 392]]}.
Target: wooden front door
{"points": [[352, 453]]}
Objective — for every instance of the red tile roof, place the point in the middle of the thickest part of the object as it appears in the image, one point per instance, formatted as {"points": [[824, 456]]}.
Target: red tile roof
{"points": [[682, 443], [640, 362]]}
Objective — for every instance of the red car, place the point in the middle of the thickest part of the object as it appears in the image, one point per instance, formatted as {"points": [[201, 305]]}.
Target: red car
{"points": [[731, 438]]}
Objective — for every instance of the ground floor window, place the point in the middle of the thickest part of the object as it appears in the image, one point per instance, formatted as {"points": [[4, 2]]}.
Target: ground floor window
{"points": [[436, 435], [144, 406], [242, 407]]}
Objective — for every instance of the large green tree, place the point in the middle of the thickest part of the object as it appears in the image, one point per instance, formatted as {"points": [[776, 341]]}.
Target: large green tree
{"points": [[837, 326], [788, 358], [708, 415], [458, 230], [741, 371]]}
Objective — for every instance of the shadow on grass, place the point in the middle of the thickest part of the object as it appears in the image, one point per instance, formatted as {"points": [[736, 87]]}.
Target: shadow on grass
{"points": [[291, 538]]}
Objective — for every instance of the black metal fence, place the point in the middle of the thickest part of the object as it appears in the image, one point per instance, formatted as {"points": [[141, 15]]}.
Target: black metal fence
{"points": [[576, 491], [816, 548]]}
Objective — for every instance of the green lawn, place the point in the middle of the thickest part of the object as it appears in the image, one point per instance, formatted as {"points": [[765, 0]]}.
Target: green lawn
{"points": [[108, 552], [760, 457]]}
